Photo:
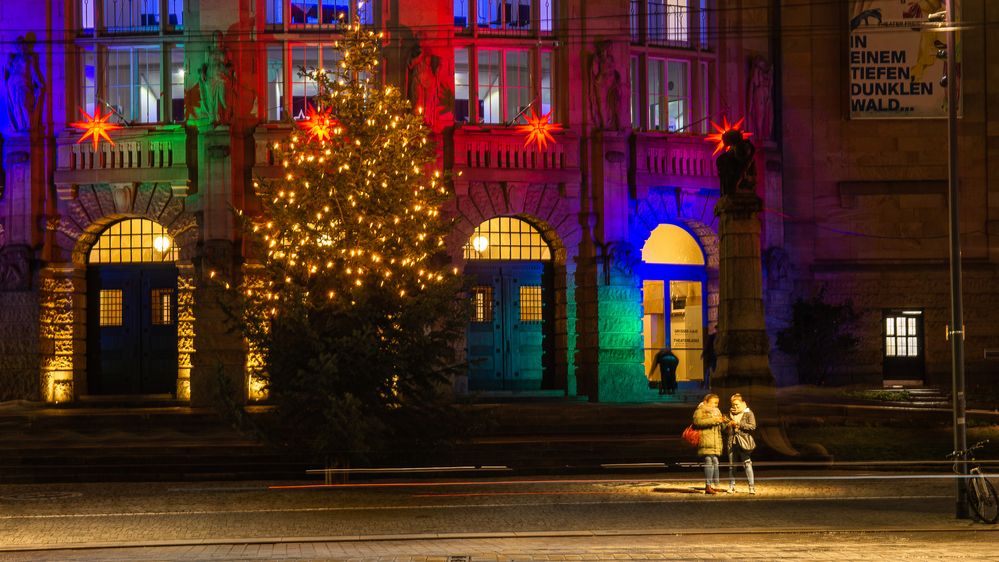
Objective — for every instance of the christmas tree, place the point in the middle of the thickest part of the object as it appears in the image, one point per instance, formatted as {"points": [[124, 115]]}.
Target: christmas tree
{"points": [[353, 313]]}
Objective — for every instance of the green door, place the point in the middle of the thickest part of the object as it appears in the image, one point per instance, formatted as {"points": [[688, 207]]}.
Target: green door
{"points": [[506, 336]]}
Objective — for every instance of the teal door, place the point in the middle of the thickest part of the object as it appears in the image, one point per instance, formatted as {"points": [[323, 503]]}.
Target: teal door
{"points": [[506, 335], [132, 329]]}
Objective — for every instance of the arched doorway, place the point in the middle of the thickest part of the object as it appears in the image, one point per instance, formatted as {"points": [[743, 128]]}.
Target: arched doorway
{"points": [[132, 310], [511, 317], [674, 275]]}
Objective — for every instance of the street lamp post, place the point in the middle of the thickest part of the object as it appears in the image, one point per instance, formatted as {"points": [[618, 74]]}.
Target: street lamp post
{"points": [[956, 328]]}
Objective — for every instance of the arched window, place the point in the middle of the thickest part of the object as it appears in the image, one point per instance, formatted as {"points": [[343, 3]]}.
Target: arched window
{"points": [[133, 241], [507, 238], [671, 244]]}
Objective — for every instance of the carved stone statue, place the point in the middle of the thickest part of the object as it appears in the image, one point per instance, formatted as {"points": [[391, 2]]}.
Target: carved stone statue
{"points": [[24, 87], [737, 165], [423, 84], [606, 89], [215, 79], [761, 107]]}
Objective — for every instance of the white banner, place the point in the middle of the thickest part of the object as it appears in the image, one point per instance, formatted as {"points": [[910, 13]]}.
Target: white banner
{"points": [[894, 66]]}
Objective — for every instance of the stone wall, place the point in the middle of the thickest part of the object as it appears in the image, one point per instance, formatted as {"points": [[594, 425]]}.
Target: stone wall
{"points": [[20, 365]]}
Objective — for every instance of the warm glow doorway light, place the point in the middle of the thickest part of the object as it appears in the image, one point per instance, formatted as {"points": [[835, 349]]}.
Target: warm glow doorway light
{"points": [[480, 244]]}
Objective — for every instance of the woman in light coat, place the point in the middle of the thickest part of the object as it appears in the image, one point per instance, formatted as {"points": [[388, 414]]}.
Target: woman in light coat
{"points": [[709, 421]]}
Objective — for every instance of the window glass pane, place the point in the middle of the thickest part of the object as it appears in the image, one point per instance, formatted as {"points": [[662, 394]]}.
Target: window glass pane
{"points": [[890, 346], [366, 13], [331, 59], [636, 94], [517, 14], [530, 303], [912, 326], [275, 82], [913, 347], [704, 23], [131, 15], [119, 81], [88, 80], [900, 326], [679, 92], [633, 7], [677, 18], [461, 90], [161, 303], [175, 14], [547, 19], [303, 89], [506, 238], [305, 12], [657, 94], [275, 12], [518, 86], [147, 85], [87, 14], [489, 87], [177, 83], [656, 21], [487, 14], [482, 303], [889, 326], [706, 114], [110, 307], [460, 13], [900, 345], [133, 240], [547, 94]]}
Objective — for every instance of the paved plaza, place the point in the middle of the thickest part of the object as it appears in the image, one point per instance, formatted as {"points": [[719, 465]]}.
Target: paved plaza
{"points": [[796, 516]]}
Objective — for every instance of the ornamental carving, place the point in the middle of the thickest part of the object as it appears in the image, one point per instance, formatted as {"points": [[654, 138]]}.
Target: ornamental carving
{"points": [[24, 87], [15, 268], [216, 78]]}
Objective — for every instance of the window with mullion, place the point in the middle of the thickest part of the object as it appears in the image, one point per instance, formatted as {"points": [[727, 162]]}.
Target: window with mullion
{"points": [[509, 84], [514, 16], [303, 88], [131, 16], [317, 13], [678, 94], [142, 83]]}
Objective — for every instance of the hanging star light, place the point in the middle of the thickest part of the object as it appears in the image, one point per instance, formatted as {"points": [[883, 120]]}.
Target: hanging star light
{"points": [[95, 126], [539, 130], [318, 124], [725, 127]]}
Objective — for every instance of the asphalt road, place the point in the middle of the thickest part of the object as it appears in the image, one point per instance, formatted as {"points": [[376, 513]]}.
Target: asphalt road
{"points": [[505, 518]]}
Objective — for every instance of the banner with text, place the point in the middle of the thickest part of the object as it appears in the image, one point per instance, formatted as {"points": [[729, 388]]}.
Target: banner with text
{"points": [[895, 60]]}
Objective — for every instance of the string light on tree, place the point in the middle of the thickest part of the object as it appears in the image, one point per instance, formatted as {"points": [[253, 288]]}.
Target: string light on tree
{"points": [[718, 136], [95, 127]]}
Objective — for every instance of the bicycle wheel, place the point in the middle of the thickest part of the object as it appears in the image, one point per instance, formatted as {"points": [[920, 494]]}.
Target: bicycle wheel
{"points": [[982, 497]]}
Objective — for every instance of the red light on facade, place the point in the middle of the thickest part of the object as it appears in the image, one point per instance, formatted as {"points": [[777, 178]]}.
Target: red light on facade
{"points": [[721, 130], [539, 130], [95, 126], [319, 125]]}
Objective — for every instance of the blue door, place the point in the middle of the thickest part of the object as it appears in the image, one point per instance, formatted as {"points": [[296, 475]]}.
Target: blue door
{"points": [[506, 335], [132, 329]]}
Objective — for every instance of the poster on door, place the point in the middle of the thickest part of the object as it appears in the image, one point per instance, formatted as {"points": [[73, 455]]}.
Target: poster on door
{"points": [[897, 59]]}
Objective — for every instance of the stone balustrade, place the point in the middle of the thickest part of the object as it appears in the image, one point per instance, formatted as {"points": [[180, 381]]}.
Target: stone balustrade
{"points": [[673, 160], [498, 154]]}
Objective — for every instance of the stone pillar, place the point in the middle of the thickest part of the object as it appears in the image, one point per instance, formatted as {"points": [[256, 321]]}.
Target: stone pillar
{"points": [[620, 370]]}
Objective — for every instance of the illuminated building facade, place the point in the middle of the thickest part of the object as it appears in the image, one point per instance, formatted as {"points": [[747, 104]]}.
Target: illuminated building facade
{"points": [[591, 247]]}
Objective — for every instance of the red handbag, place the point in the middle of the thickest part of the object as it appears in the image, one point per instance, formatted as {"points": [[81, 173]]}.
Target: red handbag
{"points": [[691, 436]]}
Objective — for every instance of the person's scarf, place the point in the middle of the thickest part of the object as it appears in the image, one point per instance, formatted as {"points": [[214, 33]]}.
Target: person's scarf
{"points": [[736, 415]]}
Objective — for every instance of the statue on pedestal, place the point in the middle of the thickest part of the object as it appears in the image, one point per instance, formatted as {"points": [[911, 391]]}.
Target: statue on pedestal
{"points": [[606, 88], [761, 107], [737, 165], [24, 87], [215, 78], [424, 88]]}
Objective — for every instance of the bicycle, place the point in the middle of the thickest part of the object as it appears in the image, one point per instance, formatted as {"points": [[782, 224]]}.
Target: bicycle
{"points": [[981, 494]]}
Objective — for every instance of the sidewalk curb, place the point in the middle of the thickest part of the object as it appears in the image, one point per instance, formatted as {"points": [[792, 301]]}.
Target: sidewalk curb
{"points": [[965, 528]]}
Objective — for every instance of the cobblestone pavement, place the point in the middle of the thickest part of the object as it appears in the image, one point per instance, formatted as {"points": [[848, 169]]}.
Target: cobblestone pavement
{"points": [[828, 546], [796, 516]]}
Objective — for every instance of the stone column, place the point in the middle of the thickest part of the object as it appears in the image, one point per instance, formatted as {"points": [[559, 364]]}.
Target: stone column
{"points": [[742, 344]]}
